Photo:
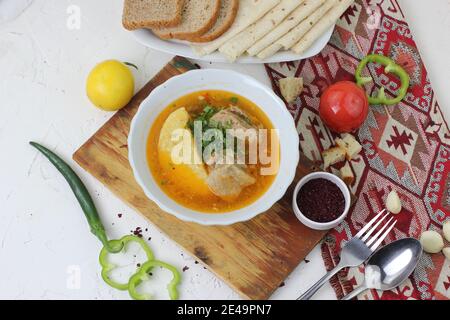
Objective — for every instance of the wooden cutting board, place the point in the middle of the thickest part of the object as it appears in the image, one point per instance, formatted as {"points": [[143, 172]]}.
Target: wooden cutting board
{"points": [[252, 257]]}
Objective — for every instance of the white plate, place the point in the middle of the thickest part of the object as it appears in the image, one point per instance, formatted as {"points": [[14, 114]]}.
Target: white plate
{"points": [[211, 79], [180, 48]]}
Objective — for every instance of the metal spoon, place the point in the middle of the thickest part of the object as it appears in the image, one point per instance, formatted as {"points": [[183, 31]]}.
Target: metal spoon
{"points": [[390, 266]]}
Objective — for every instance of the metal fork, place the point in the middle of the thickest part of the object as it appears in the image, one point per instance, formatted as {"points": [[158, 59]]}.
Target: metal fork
{"points": [[357, 250]]}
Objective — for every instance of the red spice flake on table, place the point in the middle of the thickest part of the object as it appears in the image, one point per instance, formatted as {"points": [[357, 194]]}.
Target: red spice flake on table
{"points": [[321, 200], [137, 232]]}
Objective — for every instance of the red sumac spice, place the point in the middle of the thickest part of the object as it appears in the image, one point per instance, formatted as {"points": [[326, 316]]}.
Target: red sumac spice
{"points": [[321, 200]]}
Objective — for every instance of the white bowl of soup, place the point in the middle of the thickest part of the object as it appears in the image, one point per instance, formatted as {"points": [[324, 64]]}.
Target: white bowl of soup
{"points": [[214, 147]]}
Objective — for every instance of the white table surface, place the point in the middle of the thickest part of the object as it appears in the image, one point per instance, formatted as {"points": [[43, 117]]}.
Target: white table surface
{"points": [[43, 67]]}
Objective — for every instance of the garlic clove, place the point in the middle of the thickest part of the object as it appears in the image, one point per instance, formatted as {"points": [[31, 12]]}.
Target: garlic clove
{"points": [[393, 203], [446, 252], [446, 230], [431, 241]]}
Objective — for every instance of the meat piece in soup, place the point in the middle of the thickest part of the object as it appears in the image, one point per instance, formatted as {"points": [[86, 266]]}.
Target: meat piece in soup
{"points": [[237, 119], [215, 184], [228, 180], [232, 118]]}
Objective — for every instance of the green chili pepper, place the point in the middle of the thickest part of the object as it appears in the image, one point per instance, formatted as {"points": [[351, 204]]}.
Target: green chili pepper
{"points": [[390, 67], [82, 195], [142, 275], [107, 267], [109, 246]]}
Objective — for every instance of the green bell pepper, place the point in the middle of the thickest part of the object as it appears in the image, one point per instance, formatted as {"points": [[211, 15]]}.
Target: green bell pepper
{"points": [[142, 275], [107, 266], [390, 67]]}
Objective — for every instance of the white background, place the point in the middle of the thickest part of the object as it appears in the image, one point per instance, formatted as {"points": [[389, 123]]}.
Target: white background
{"points": [[43, 66]]}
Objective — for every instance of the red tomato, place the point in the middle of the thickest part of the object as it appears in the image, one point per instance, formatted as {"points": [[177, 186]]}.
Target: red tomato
{"points": [[344, 107]]}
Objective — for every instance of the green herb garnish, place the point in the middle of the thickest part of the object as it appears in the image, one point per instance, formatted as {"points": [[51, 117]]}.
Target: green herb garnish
{"points": [[234, 100]]}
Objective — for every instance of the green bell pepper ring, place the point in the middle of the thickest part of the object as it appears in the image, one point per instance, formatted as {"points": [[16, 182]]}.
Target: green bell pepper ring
{"points": [[83, 197], [107, 266], [390, 67], [142, 275]]}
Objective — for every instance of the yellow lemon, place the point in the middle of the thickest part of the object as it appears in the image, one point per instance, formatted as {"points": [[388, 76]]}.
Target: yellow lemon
{"points": [[110, 85]]}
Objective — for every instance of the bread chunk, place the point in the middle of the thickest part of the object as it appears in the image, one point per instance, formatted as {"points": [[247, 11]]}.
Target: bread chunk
{"points": [[347, 174], [351, 146], [291, 88], [333, 156]]}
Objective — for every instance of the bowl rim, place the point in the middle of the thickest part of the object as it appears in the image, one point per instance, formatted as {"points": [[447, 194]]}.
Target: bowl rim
{"points": [[315, 224], [227, 218]]}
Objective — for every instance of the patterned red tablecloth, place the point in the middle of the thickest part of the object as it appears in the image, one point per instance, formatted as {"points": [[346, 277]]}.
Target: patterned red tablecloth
{"points": [[406, 147]]}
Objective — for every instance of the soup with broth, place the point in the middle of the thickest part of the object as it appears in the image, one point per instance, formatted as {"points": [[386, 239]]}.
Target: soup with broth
{"points": [[194, 145]]}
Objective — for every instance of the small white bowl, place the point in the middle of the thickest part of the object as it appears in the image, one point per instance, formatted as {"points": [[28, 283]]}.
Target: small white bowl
{"points": [[211, 79], [321, 225]]}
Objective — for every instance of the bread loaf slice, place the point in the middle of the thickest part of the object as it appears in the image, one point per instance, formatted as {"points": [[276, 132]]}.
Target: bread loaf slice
{"points": [[151, 13], [198, 16], [227, 14]]}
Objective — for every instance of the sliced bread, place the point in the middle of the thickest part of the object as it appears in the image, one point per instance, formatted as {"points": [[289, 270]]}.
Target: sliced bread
{"points": [[151, 13], [197, 18], [227, 14]]}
